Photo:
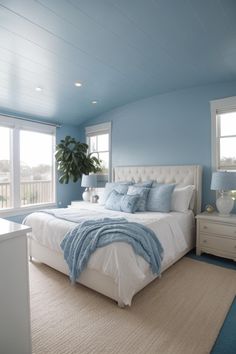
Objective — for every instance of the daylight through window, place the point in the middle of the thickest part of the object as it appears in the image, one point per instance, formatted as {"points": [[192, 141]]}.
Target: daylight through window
{"points": [[223, 115], [5, 168], [26, 164], [98, 140], [226, 139]]}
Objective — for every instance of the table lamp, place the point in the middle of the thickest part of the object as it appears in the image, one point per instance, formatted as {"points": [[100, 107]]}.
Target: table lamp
{"points": [[88, 181], [223, 182]]}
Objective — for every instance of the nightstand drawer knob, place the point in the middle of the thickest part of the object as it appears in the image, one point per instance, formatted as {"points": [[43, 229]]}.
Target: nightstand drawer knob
{"points": [[205, 227], [204, 241]]}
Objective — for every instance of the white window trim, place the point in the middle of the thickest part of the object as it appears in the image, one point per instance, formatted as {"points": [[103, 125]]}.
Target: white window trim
{"points": [[98, 129], [102, 128], [26, 209], [220, 105], [17, 124], [25, 124]]}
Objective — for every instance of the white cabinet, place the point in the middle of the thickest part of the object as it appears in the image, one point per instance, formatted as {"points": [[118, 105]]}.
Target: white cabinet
{"points": [[79, 203], [216, 235], [15, 331]]}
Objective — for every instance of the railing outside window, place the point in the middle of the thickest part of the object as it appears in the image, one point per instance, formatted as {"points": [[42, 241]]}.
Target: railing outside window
{"points": [[27, 165], [32, 192]]}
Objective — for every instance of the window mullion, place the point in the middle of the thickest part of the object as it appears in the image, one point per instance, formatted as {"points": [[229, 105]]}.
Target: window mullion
{"points": [[15, 159], [217, 141], [53, 187]]}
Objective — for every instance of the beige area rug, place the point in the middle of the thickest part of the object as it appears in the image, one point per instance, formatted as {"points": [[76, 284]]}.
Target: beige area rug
{"points": [[181, 313]]}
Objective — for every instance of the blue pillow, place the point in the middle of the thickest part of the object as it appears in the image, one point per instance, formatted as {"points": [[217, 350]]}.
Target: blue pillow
{"points": [[120, 187], [159, 198], [147, 184], [122, 202], [143, 194]]}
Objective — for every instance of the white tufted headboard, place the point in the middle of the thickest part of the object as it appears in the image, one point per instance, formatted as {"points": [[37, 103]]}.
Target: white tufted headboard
{"points": [[180, 175]]}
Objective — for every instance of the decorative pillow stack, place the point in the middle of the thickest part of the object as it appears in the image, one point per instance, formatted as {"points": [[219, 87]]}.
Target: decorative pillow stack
{"points": [[146, 196]]}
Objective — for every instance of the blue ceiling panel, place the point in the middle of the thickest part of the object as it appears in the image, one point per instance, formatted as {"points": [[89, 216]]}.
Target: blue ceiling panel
{"points": [[120, 50]]}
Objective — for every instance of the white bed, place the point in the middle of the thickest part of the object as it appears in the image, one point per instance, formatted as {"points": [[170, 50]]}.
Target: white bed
{"points": [[115, 270]]}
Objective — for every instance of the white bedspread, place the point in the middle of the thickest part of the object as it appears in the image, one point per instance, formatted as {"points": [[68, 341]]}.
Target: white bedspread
{"points": [[118, 260]]}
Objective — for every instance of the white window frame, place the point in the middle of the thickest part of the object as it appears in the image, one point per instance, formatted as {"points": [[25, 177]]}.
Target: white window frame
{"points": [[218, 106], [16, 125], [99, 129]]}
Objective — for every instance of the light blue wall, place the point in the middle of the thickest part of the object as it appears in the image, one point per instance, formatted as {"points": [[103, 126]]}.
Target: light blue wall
{"points": [[65, 192], [173, 128]]}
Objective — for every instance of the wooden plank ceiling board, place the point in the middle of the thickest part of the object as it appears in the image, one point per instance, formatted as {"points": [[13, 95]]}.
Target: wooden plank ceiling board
{"points": [[120, 50]]}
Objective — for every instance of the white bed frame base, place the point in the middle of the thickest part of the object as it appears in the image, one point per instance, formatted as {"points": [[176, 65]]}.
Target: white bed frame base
{"points": [[181, 175], [89, 277]]}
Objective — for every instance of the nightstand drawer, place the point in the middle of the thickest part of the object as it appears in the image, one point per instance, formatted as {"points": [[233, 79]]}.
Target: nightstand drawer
{"points": [[223, 244], [218, 229], [216, 234]]}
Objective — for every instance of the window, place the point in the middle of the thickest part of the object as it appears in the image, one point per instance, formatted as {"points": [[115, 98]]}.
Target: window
{"points": [[5, 168], [226, 137], [224, 134], [27, 174], [223, 120], [99, 141]]}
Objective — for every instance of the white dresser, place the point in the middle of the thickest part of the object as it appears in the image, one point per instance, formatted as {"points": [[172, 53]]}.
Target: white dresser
{"points": [[15, 331], [216, 235]]}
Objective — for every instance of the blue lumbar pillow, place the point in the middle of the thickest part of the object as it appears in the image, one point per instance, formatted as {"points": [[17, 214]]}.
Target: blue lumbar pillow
{"points": [[159, 198], [122, 202], [120, 187]]}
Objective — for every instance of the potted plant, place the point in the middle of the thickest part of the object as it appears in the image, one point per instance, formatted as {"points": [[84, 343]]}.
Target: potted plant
{"points": [[73, 160]]}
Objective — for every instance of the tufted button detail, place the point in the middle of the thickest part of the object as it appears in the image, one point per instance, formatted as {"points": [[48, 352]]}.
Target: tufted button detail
{"points": [[180, 175]]}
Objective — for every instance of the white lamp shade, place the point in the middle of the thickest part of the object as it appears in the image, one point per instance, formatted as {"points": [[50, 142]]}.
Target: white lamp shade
{"points": [[89, 181], [223, 181]]}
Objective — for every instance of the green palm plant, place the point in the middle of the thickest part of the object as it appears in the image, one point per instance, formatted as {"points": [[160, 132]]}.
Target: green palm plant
{"points": [[73, 160]]}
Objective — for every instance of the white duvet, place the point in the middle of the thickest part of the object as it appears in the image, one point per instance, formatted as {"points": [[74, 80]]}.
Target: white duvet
{"points": [[118, 260]]}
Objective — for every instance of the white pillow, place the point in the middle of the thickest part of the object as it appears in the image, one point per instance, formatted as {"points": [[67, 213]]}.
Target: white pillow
{"points": [[192, 200], [181, 198]]}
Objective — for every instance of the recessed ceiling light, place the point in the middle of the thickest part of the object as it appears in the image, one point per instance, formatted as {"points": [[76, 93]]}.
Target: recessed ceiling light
{"points": [[78, 84], [94, 102], [39, 89]]}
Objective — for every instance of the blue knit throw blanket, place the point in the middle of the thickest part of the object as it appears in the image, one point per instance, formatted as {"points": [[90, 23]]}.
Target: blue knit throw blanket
{"points": [[80, 242]]}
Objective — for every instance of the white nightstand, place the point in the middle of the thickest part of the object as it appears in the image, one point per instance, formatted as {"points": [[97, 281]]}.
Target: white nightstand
{"points": [[78, 203], [75, 203], [216, 235]]}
